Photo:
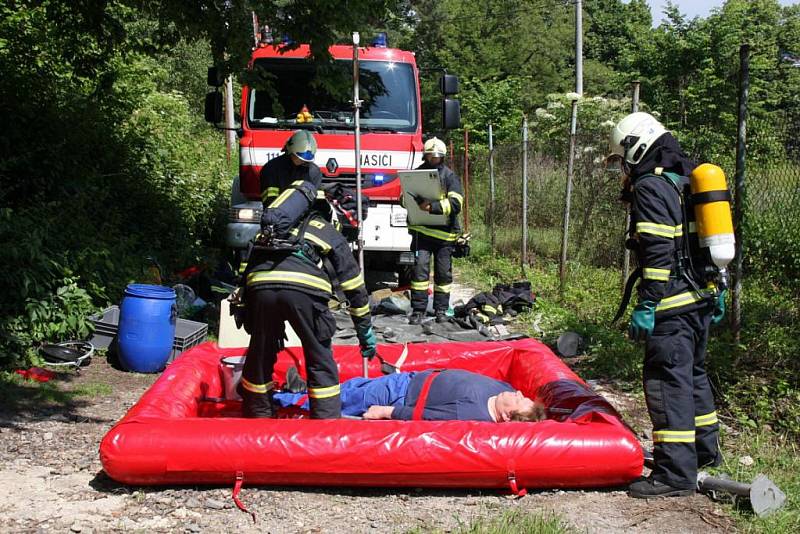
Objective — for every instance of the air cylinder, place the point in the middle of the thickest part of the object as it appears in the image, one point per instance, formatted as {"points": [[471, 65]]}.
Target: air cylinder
{"points": [[712, 210]]}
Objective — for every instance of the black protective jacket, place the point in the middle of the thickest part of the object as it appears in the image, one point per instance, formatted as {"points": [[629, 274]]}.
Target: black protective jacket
{"points": [[449, 204], [660, 225], [280, 173]]}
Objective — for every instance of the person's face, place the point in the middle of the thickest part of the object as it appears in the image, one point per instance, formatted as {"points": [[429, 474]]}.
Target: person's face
{"points": [[508, 403], [296, 160], [433, 160]]}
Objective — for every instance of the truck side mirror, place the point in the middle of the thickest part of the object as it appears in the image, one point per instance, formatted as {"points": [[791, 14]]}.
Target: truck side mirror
{"points": [[451, 114], [213, 108], [213, 78], [448, 84]]}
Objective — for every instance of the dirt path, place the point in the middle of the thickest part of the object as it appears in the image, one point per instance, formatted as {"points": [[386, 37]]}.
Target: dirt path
{"points": [[51, 480]]}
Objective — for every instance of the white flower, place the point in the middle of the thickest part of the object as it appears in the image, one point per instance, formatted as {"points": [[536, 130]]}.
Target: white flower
{"points": [[608, 124], [573, 96], [541, 112], [655, 114], [598, 99], [555, 105], [588, 149]]}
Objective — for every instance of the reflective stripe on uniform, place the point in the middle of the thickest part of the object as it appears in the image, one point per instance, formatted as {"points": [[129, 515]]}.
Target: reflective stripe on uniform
{"points": [[661, 230], [282, 198], [419, 286], [289, 277], [257, 388], [270, 192], [324, 393], [438, 234], [489, 308], [242, 267], [453, 194], [360, 312], [442, 289], [706, 420], [445, 203], [320, 194], [652, 273], [673, 436], [355, 282], [297, 183], [681, 299], [692, 227], [318, 240]]}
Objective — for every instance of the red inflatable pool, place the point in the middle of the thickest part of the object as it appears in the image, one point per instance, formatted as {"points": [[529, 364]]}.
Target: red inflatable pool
{"points": [[174, 436]]}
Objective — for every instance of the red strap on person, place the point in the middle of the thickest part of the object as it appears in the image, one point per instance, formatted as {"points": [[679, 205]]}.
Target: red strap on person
{"points": [[419, 408]]}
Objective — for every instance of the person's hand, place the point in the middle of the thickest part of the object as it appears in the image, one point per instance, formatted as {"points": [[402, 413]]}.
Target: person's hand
{"points": [[368, 342], [719, 308], [423, 203], [379, 412], [643, 320]]}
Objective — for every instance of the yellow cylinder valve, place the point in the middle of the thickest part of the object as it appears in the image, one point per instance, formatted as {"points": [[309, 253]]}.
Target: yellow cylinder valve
{"points": [[712, 210]]}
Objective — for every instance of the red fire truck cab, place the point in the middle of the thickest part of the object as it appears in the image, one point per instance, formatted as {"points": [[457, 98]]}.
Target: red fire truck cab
{"points": [[391, 136]]}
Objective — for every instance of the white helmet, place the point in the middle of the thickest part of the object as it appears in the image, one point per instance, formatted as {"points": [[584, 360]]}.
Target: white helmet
{"points": [[302, 144], [633, 136], [435, 147]]}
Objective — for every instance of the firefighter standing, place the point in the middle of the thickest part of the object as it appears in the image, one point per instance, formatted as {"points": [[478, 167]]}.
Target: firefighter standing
{"points": [[296, 163], [436, 241], [286, 281], [674, 308]]}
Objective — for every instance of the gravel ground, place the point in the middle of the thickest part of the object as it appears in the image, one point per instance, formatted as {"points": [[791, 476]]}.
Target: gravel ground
{"points": [[51, 480]]}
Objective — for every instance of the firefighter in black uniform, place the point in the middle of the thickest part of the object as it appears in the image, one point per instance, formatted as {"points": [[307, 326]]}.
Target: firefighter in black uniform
{"points": [[436, 241], [286, 281], [296, 163], [674, 308]]}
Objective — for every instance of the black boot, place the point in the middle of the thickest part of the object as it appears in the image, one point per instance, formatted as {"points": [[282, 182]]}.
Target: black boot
{"points": [[294, 382], [327, 408], [650, 488], [441, 316], [257, 405], [415, 317]]}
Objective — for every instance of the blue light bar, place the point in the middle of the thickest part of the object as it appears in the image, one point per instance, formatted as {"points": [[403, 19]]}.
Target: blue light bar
{"points": [[378, 178], [380, 40]]}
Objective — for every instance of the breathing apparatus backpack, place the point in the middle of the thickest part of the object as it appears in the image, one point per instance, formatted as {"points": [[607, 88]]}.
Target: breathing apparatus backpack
{"points": [[705, 270]]}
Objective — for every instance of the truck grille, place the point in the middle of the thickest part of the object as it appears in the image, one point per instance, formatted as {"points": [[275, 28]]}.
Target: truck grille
{"points": [[347, 180]]}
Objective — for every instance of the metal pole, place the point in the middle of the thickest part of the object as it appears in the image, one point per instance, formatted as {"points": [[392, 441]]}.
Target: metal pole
{"points": [[357, 116], [739, 198], [626, 254], [524, 258], [579, 47], [491, 185], [229, 133], [573, 128], [466, 180]]}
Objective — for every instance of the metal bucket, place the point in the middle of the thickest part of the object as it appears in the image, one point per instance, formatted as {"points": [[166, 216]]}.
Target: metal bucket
{"points": [[231, 369]]}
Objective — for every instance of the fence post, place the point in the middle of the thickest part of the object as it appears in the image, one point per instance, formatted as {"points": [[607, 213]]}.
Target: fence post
{"points": [[524, 258], [739, 198], [466, 180], [626, 254], [491, 186], [573, 128]]}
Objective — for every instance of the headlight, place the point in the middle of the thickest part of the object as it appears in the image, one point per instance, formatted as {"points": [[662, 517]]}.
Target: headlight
{"points": [[245, 214]]}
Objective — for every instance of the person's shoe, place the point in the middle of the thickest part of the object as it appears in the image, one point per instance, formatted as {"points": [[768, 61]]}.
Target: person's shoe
{"points": [[294, 382], [649, 488], [441, 316], [415, 318], [257, 405]]}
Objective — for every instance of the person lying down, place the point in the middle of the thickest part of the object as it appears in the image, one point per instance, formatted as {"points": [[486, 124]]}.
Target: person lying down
{"points": [[453, 394]]}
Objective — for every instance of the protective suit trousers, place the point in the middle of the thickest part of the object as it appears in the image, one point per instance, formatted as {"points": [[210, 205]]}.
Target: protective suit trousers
{"points": [[679, 399], [359, 393], [442, 253], [267, 309]]}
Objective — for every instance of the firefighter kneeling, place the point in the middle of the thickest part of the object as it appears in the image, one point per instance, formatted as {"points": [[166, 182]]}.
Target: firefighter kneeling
{"points": [[681, 292], [286, 281]]}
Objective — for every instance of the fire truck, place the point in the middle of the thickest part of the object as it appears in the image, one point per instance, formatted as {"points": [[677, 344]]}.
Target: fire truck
{"points": [[390, 140]]}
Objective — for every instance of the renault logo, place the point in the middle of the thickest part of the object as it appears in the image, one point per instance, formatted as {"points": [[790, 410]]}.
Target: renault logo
{"points": [[331, 165]]}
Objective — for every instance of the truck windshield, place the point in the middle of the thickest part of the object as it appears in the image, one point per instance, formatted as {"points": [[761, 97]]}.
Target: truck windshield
{"points": [[387, 89]]}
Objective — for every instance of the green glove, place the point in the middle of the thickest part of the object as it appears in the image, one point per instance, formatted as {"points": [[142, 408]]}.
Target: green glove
{"points": [[368, 341], [719, 308], [643, 320]]}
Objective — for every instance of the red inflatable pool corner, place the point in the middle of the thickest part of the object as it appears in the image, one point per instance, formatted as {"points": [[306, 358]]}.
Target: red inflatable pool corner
{"points": [[174, 436]]}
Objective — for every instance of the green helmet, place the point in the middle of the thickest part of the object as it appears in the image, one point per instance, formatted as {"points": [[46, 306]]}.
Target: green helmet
{"points": [[302, 144]]}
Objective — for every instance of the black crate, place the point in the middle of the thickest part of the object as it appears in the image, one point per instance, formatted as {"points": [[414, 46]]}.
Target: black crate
{"points": [[106, 324]]}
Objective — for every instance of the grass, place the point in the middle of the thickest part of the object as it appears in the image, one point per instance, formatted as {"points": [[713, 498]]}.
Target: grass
{"points": [[18, 391], [514, 522], [756, 379]]}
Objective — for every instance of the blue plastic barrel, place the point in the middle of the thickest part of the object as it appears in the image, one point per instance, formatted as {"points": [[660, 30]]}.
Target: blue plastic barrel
{"points": [[146, 327]]}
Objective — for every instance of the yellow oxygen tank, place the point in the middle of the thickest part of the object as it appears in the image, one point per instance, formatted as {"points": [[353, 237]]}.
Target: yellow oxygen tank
{"points": [[712, 210]]}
